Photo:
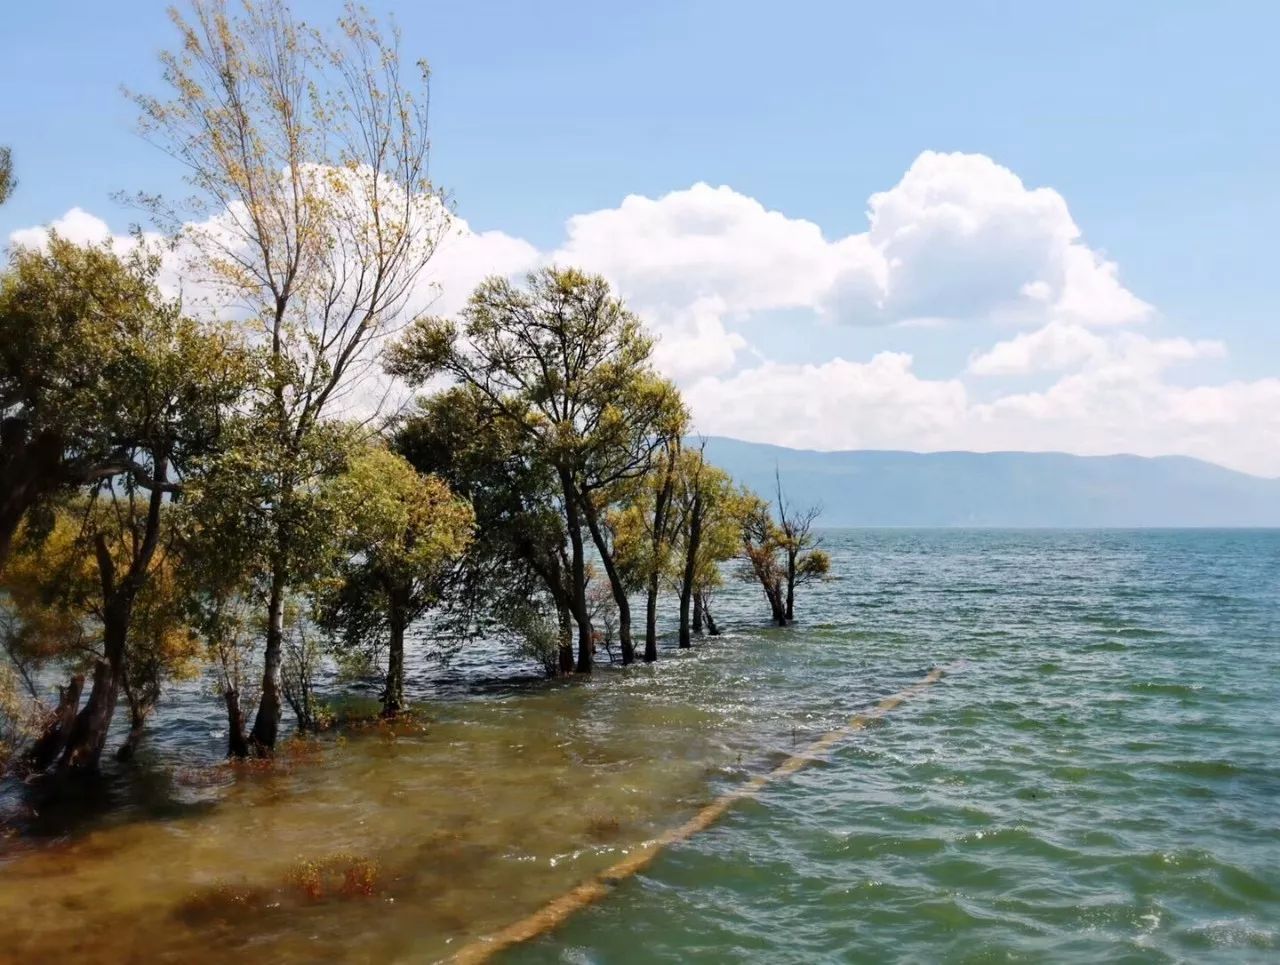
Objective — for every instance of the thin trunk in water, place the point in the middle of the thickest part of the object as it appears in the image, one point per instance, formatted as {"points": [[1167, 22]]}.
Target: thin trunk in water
{"points": [[690, 568], [697, 613], [578, 576], [651, 619], [791, 586], [54, 737], [137, 727], [565, 617], [661, 510], [776, 606], [620, 598], [706, 612], [393, 695], [237, 742], [266, 725]]}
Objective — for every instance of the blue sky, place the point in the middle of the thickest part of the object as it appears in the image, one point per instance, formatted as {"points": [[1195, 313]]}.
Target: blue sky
{"points": [[1155, 123]]}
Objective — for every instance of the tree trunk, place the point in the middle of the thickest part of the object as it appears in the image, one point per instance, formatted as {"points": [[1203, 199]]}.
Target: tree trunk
{"points": [[791, 586], [54, 737], [620, 598], [266, 725], [393, 695], [776, 607], [89, 732], [697, 613], [651, 619], [565, 616], [578, 575], [137, 727], [661, 510], [237, 742], [706, 612], [693, 544]]}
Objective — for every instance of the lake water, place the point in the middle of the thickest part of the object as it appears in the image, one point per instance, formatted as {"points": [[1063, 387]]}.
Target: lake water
{"points": [[1097, 778]]}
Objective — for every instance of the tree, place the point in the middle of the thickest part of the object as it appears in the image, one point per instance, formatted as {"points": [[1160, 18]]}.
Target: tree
{"points": [[313, 214], [68, 607], [645, 527], [565, 364], [761, 544], [61, 311], [401, 531], [516, 566], [801, 547], [106, 384], [784, 554], [708, 523]]}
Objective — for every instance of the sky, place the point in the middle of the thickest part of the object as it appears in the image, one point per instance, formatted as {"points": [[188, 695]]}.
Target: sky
{"points": [[850, 225]]}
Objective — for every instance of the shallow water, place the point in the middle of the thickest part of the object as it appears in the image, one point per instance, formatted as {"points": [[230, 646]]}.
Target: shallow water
{"points": [[1096, 781]]}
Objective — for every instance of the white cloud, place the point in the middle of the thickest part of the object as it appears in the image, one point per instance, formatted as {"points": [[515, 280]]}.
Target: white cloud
{"points": [[1055, 347], [1120, 405], [833, 405], [959, 238], [1062, 346], [77, 226]]}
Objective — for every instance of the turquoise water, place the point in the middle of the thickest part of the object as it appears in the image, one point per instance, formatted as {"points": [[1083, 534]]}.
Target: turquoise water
{"points": [[1096, 779], [1099, 779]]}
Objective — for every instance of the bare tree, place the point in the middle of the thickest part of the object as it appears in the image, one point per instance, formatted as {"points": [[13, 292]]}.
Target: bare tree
{"points": [[804, 559], [313, 218]]}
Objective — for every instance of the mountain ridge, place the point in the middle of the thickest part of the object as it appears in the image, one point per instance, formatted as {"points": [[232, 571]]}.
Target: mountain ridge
{"points": [[957, 488]]}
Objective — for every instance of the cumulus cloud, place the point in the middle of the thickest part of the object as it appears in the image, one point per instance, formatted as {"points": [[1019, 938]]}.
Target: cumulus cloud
{"points": [[832, 405], [1062, 346], [77, 225], [958, 239], [1119, 406], [962, 237]]}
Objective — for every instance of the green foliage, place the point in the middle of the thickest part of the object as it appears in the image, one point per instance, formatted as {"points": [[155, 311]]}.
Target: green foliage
{"points": [[396, 535], [19, 716], [564, 362], [709, 492], [56, 600], [514, 569], [568, 368], [62, 309], [403, 526]]}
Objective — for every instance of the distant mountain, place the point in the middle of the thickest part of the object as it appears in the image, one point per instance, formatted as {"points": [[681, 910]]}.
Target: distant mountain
{"points": [[887, 488]]}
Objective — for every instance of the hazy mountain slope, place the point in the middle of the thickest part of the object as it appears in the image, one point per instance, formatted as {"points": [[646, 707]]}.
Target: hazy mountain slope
{"points": [[886, 488]]}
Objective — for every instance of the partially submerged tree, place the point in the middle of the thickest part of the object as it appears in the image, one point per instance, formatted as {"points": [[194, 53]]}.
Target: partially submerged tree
{"points": [[761, 554], [514, 575], [401, 532], [801, 546], [781, 555], [645, 528], [106, 384], [68, 610], [564, 363], [313, 215], [708, 523]]}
